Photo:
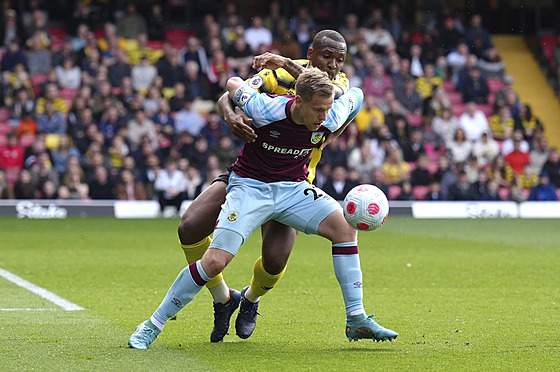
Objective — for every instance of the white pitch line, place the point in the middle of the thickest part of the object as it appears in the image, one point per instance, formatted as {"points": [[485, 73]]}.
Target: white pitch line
{"points": [[26, 309], [46, 294]]}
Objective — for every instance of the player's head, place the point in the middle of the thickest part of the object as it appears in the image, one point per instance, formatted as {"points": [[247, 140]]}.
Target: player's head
{"points": [[328, 52], [314, 97]]}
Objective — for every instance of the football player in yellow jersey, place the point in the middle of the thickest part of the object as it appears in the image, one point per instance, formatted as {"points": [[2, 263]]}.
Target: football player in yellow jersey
{"points": [[277, 76]]}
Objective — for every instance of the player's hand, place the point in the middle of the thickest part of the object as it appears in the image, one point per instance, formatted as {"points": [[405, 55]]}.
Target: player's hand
{"points": [[238, 123], [268, 60], [328, 140]]}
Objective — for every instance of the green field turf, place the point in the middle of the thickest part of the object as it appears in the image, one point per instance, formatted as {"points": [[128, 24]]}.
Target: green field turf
{"points": [[464, 295]]}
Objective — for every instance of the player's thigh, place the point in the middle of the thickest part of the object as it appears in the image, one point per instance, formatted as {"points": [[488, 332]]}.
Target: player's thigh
{"points": [[278, 241], [335, 228], [199, 219], [304, 206]]}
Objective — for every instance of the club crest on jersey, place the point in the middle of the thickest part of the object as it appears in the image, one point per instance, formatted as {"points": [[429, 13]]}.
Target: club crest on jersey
{"points": [[316, 137], [274, 133], [255, 82], [232, 216]]}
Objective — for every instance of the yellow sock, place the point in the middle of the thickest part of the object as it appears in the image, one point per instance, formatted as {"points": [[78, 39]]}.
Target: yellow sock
{"points": [[194, 252], [262, 281]]}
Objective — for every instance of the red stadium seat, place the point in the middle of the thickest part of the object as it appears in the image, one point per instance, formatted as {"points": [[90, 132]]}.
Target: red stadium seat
{"points": [[526, 192], [420, 191], [494, 84], [27, 140], [155, 44], [414, 120], [487, 109], [458, 109], [394, 191], [67, 93], [12, 176], [558, 193], [433, 166], [36, 81], [455, 97], [3, 140], [503, 192], [4, 115], [448, 86], [6, 128]]}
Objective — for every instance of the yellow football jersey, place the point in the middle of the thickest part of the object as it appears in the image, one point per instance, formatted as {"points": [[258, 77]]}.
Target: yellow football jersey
{"points": [[282, 83]]}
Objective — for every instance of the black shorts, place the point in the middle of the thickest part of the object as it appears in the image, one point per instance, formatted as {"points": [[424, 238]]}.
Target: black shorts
{"points": [[224, 177]]}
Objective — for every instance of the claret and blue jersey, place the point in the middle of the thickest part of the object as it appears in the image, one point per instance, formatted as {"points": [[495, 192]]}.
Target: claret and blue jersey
{"points": [[283, 147]]}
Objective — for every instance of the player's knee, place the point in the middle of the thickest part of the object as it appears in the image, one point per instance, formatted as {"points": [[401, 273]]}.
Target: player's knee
{"points": [[215, 261], [186, 228], [274, 265]]}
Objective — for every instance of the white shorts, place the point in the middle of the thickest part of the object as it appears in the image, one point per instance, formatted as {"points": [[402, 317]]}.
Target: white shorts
{"points": [[251, 203]]}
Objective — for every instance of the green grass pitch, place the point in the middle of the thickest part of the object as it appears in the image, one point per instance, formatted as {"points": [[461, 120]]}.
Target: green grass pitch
{"points": [[464, 295]]}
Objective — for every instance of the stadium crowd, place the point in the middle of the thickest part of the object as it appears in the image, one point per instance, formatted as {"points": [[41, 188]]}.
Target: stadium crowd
{"points": [[126, 108]]}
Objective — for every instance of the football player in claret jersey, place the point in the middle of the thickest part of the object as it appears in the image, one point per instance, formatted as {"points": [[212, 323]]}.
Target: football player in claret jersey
{"points": [[268, 182], [277, 76]]}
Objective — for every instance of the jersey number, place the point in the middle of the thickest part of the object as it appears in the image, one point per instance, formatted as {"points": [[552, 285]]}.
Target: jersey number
{"points": [[316, 195]]}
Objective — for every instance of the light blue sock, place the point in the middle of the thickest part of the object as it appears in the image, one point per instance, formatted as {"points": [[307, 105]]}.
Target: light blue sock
{"points": [[188, 283], [347, 270]]}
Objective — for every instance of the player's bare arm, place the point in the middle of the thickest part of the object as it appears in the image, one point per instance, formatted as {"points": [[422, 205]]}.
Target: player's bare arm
{"points": [[336, 133], [273, 61], [236, 120]]}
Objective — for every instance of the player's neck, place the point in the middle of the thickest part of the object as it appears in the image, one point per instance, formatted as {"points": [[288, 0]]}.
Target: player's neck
{"points": [[296, 114]]}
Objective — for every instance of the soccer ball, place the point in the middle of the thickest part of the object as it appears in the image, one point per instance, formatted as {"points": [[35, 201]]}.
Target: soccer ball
{"points": [[365, 207]]}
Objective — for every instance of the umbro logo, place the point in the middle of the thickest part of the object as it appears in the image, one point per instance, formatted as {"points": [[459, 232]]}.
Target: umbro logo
{"points": [[358, 284], [266, 288], [275, 134]]}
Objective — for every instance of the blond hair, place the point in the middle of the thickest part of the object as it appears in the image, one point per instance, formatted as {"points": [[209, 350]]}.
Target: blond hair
{"points": [[313, 81]]}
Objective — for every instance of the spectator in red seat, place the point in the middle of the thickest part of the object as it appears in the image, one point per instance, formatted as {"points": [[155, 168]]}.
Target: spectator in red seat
{"points": [[475, 88], [395, 168], [491, 64], [13, 56], [257, 35], [552, 167], [462, 189], [445, 125], [449, 35], [476, 29], [491, 193], [6, 190], [517, 159], [473, 121], [528, 179], [435, 192], [486, 148], [38, 57], [539, 153], [544, 191], [338, 184], [502, 123], [69, 75], [501, 171], [406, 191], [508, 143], [459, 149], [196, 83], [414, 146], [530, 123], [102, 186], [131, 24], [24, 187], [363, 161], [12, 154], [445, 176], [119, 69], [156, 23], [377, 81], [421, 176], [51, 121]]}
